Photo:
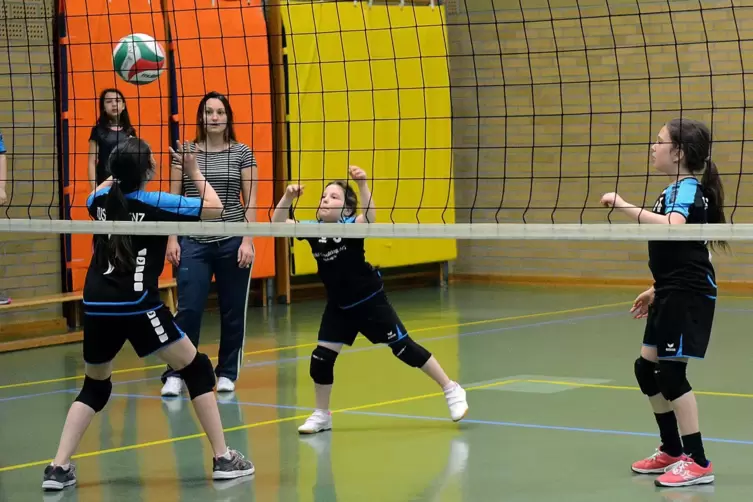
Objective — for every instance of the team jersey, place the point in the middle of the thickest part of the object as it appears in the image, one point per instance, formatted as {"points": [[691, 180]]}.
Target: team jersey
{"points": [[682, 265], [348, 278], [113, 291]]}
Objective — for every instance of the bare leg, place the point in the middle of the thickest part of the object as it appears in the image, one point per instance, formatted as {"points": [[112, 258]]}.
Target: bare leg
{"points": [[435, 371], [79, 417], [686, 410], [178, 355]]}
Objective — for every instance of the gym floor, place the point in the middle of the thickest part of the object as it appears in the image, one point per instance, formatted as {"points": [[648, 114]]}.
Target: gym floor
{"points": [[555, 414]]}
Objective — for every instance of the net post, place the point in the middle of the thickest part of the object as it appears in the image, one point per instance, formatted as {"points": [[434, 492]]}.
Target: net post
{"points": [[280, 139]]}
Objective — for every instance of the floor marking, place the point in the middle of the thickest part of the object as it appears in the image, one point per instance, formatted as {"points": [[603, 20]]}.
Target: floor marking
{"points": [[358, 411], [313, 343], [159, 442], [567, 383], [539, 384], [349, 351], [625, 387]]}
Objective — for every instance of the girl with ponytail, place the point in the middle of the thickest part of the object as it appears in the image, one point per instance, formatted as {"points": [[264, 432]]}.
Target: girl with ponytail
{"points": [[680, 306], [122, 303]]}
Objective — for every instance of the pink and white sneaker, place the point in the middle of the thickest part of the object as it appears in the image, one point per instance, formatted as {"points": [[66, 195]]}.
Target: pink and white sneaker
{"points": [[686, 473], [658, 463]]}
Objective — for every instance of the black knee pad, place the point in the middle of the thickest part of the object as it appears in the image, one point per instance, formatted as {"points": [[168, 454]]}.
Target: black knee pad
{"points": [[95, 393], [672, 379], [199, 376], [322, 369], [646, 372], [410, 352]]}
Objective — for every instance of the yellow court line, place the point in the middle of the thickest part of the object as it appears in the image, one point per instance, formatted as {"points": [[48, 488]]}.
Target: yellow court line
{"points": [[352, 408], [160, 442], [312, 344], [143, 368], [624, 387]]}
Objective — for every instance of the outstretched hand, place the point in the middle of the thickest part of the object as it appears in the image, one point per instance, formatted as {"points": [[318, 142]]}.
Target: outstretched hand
{"points": [[357, 173], [294, 191], [186, 153]]}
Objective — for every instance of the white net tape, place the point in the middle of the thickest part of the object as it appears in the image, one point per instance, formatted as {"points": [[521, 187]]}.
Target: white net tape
{"points": [[476, 231]]}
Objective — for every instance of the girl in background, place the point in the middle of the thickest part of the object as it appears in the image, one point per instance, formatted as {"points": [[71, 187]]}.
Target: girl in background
{"points": [[230, 167], [113, 126]]}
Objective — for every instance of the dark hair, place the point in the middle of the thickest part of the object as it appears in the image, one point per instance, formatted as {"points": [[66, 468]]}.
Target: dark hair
{"points": [[693, 139], [124, 120], [201, 133], [131, 165], [350, 202]]}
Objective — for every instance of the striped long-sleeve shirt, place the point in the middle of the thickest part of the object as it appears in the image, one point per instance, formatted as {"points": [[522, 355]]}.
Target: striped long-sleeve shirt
{"points": [[223, 171]]}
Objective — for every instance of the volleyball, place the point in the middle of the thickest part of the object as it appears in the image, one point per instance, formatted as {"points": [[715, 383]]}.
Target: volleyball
{"points": [[138, 59]]}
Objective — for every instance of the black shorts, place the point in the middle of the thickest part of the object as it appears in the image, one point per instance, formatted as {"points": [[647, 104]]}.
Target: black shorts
{"points": [[375, 318], [104, 335], [679, 324]]}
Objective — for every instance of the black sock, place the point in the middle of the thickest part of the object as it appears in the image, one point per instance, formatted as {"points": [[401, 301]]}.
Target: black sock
{"points": [[693, 447], [670, 437]]}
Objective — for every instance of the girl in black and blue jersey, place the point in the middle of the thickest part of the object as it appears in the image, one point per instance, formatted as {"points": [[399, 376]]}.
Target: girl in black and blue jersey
{"points": [[122, 303], [680, 305], [356, 301]]}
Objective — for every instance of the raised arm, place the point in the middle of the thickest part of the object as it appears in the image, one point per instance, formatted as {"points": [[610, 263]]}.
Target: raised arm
{"points": [[368, 209], [211, 204], [282, 210]]}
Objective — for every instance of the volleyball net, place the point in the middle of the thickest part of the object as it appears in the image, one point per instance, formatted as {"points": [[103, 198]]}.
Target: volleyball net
{"points": [[473, 120]]}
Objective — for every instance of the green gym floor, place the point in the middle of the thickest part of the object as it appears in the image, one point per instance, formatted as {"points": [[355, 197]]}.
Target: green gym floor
{"points": [[555, 414]]}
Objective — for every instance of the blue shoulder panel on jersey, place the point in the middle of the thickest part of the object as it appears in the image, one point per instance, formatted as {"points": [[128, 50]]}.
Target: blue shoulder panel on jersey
{"points": [[184, 206], [681, 196], [96, 194], [2, 144]]}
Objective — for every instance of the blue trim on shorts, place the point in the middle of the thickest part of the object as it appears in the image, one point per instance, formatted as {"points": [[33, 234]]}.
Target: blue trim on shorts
{"points": [[649, 346], [400, 335], [680, 357], [117, 304], [115, 314], [711, 281], [372, 295], [182, 335]]}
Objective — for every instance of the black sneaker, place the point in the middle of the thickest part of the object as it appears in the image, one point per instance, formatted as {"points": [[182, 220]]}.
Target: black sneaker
{"points": [[4, 299], [57, 478], [234, 467]]}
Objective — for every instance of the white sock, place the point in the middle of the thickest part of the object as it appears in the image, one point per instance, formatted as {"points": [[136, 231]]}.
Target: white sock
{"points": [[226, 455], [449, 386]]}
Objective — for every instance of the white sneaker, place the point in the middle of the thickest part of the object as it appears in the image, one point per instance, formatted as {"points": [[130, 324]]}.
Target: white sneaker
{"points": [[318, 421], [224, 384], [456, 402], [173, 386]]}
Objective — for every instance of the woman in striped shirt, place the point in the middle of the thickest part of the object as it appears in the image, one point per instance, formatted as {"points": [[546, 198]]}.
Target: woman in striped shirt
{"points": [[230, 167]]}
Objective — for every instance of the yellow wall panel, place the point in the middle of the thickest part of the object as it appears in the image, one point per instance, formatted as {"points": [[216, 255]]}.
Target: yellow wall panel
{"points": [[370, 86]]}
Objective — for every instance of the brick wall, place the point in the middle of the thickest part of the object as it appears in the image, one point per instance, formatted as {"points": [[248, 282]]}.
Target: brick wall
{"points": [[600, 81], [29, 263]]}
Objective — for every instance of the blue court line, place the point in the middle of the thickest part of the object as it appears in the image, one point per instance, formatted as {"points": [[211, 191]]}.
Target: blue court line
{"points": [[524, 425], [306, 357]]}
